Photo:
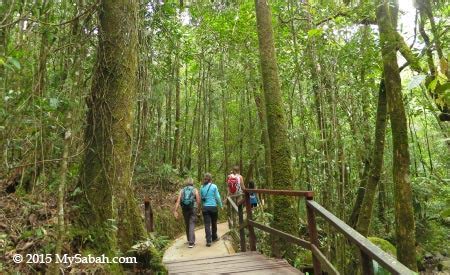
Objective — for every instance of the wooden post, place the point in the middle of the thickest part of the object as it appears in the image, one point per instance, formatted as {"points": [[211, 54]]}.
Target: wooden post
{"points": [[251, 230], [241, 228], [148, 213], [233, 214], [229, 215], [313, 237], [367, 264]]}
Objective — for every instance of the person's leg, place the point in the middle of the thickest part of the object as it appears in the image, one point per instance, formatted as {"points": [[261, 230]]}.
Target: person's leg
{"points": [[207, 220], [214, 216], [186, 223], [192, 219]]}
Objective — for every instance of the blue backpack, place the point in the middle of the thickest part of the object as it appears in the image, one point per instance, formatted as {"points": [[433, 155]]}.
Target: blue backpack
{"points": [[187, 197], [253, 198]]}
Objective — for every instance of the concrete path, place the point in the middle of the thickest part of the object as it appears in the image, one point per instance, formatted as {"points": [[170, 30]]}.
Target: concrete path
{"points": [[179, 249]]}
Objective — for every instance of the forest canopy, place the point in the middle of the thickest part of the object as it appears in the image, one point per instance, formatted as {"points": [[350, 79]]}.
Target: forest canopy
{"points": [[107, 103]]}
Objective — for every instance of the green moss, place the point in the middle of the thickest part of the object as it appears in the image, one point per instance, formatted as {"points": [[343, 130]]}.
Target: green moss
{"points": [[285, 216], [93, 240], [386, 246], [148, 255]]}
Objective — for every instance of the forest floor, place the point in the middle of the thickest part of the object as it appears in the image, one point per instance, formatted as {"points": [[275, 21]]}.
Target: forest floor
{"points": [[178, 250], [27, 225]]}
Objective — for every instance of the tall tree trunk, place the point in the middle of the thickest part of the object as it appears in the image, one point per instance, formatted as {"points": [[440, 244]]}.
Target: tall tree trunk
{"points": [[404, 212], [186, 117], [425, 8], [365, 213], [177, 115], [168, 119], [108, 202], [195, 121], [425, 11], [225, 121], [40, 151], [362, 127], [318, 91], [285, 217], [200, 124], [61, 193], [261, 106], [208, 155]]}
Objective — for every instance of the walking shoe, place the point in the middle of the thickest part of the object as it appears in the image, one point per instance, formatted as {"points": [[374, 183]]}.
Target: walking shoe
{"points": [[216, 239], [208, 244], [191, 245]]}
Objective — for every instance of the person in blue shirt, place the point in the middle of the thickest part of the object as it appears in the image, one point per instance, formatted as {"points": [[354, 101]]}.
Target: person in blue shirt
{"points": [[253, 197], [210, 196]]}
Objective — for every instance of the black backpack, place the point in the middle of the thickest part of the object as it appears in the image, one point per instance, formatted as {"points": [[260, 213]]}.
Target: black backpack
{"points": [[187, 197]]}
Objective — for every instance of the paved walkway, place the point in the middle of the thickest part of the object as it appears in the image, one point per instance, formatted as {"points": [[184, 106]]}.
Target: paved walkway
{"points": [[179, 249]]}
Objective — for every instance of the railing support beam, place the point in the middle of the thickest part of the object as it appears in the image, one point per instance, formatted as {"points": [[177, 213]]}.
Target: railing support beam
{"points": [[313, 236], [251, 230], [241, 228], [367, 265]]}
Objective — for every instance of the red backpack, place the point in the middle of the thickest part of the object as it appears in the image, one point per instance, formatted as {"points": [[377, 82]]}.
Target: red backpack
{"points": [[233, 182]]}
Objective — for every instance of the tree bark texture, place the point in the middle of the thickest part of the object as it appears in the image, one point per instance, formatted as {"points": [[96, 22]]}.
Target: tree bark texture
{"points": [[109, 212], [284, 213], [365, 213], [404, 212]]}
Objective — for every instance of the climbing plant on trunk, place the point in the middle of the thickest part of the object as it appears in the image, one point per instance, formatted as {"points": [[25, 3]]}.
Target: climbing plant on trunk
{"points": [[108, 208], [404, 213], [284, 214]]}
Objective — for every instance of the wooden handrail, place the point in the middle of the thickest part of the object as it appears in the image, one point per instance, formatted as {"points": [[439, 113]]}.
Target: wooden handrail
{"points": [[306, 194], [368, 250], [376, 253], [236, 195], [327, 266], [281, 234], [241, 202], [233, 204]]}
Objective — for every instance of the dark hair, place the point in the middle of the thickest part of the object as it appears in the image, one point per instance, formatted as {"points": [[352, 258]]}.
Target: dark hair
{"points": [[236, 169], [251, 184]]}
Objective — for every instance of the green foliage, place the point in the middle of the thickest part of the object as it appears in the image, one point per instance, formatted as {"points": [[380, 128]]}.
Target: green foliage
{"points": [[431, 202], [214, 45], [167, 225], [263, 216], [10, 63], [148, 253], [386, 246], [304, 259]]}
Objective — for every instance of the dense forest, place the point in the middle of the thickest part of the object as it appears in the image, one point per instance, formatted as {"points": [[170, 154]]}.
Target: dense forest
{"points": [[105, 104]]}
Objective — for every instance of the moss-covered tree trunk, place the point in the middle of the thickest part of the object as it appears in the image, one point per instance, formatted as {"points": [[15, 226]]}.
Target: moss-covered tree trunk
{"points": [[259, 100], [284, 214], [365, 213], [109, 212], [404, 212]]}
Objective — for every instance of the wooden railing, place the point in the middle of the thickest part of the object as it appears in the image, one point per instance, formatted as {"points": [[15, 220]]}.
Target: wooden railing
{"points": [[368, 250]]}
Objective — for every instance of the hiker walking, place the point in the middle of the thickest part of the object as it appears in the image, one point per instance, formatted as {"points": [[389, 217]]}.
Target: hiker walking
{"points": [[253, 197], [189, 199], [210, 199], [235, 182]]}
